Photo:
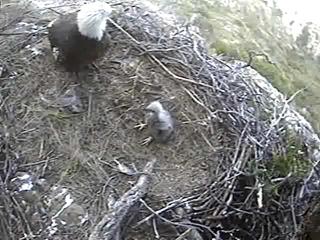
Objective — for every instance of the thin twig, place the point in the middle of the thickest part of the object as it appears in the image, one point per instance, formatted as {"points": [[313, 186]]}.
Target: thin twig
{"points": [[253, 54]]}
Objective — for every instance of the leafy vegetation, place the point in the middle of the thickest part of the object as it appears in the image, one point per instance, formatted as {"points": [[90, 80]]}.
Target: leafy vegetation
{"points": [[235, 29], [293, 162]]}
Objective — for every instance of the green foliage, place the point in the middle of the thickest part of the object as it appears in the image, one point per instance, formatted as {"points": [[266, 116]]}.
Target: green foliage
{"points": [[233, 31], [293, 160], [303, 38], [292, 165], [223, 48], [269, 71], [251, 21]]}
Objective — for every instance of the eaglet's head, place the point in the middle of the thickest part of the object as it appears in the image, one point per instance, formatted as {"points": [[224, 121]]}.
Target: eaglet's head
{"points": [[160, 122], [154, 111], [92, 19], [155, 107]]}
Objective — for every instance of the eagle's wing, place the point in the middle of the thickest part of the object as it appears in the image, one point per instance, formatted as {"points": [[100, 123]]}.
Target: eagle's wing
{"points": [[61, 30]]}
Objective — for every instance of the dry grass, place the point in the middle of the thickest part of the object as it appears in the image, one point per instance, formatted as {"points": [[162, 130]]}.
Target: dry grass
{"points": [[219, 144], [77, 150]]}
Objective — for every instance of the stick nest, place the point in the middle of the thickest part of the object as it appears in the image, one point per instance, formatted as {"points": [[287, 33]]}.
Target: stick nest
{"points": [[219, 169]]}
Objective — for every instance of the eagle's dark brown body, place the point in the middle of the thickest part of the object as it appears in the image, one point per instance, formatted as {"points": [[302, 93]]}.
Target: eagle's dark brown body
{"points": [[75, 50]]}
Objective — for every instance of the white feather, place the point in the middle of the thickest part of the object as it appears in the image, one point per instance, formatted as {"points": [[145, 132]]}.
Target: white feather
{"points": [[91, 19], [155, 106], [163, 117], [165, 121]]}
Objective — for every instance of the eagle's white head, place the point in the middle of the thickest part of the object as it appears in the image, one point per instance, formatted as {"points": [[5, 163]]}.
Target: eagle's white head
{"points": [[92, 19]]}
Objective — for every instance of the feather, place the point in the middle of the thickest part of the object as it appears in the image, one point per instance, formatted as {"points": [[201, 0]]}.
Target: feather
{"points": [[80, 37], [160, 122]]}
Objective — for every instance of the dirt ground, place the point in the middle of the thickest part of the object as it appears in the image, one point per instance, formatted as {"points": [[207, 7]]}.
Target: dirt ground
{"points": [[77, 150]]}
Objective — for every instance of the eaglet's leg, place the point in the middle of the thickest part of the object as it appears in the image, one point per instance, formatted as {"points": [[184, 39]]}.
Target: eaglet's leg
{"points": [[140, 126], [55, 53], [147, 141], [74, 77]]}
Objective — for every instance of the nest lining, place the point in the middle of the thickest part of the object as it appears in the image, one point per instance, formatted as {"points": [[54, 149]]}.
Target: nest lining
{"points": [[224, 139]]}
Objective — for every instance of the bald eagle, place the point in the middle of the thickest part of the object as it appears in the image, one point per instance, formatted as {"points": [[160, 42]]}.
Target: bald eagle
{"points": [[80, 37], [160, 122]]}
